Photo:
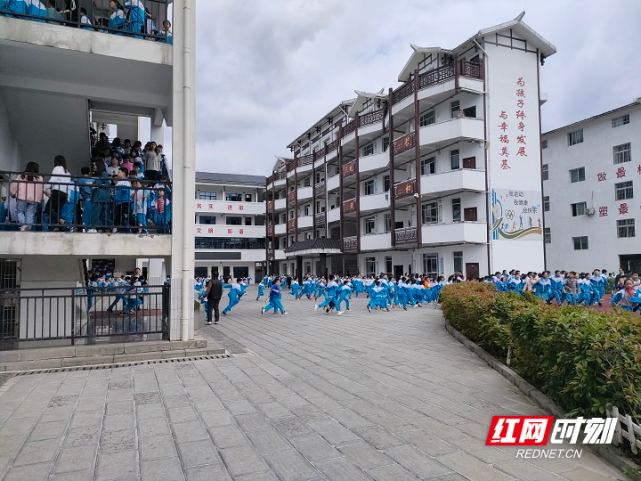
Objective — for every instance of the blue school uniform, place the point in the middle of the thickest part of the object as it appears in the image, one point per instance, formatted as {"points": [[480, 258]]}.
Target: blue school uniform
{"points": [[275, 300]]}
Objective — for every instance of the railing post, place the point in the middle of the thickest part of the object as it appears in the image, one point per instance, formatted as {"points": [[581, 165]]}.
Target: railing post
{"points": [[73, 317]]}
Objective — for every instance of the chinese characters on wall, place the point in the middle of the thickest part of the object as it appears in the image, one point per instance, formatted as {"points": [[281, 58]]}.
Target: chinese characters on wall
{"points": [[620, 173], [512, 138]]}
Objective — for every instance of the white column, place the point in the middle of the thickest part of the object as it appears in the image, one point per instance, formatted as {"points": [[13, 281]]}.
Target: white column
{"points": [[183, 155]]}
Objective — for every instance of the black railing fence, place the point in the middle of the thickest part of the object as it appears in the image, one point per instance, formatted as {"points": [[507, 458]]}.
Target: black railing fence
{"points": [[96, 15], [84, 204], [35, 317]]}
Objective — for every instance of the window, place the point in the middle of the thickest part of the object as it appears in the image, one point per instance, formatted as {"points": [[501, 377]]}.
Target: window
{"points": [[470, 214], [575, 137], [229, 243], [430, 265], [456, 210], [430, 213], [577, 175], [544, 172], [547, 236], [234, 220], [248, 221], [579, 208], [580, 243], [291, 214], [306, 210], [291, 243], [207, 219], [368, 149], [454, 108], [207, 195], [622, 153], [619, 121], [370, 266], [458, 261], [388, 265], [546, 203], [248, 197], [307, 182], [386, 182], [544, 144], [370, 225], [369, 187], [625, 228], [388, 222], [234, 197], [428, 166], [455, 162], [385, 143], [624, 190], [427, 118]]}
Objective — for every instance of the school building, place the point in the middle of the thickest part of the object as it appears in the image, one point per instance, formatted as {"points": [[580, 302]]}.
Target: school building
{"points": [[589, 176], [438, 175], [61, 80], [230, 225]]}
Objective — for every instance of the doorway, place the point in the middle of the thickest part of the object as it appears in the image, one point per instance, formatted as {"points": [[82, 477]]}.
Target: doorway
{"points": [[469, 163], [469, 214], [398, 272], [471, 271], [630, 263]]}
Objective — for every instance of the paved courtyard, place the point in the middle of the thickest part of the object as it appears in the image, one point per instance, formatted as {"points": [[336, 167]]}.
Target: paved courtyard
{"points": [[307, 396]]}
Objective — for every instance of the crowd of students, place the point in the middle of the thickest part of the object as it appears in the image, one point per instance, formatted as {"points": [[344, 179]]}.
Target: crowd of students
{"points": [[129, 290], [237, 289], [131, 17], [127, 196]]}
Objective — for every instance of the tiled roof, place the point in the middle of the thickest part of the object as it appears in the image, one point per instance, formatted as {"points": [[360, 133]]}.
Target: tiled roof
{"points": [[231, 179], [321, 243]]}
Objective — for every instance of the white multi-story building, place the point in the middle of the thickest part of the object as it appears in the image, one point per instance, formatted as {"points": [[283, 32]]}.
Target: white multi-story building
{"points": [[439, 175], [58, 79], [230, 225], [589, 180]]}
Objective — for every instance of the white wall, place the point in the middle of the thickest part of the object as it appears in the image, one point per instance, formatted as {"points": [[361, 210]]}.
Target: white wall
{"points": [[9, 152]]}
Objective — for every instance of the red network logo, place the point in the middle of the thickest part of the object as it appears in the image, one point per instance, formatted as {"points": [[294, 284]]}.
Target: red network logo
{"points": [[519, 430]]}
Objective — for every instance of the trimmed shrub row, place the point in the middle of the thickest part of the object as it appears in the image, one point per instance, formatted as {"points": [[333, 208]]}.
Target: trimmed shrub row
{"points": [[583, 359]]}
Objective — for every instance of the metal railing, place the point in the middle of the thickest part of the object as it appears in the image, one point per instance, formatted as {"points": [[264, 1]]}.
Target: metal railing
{"points": [[97, 16], [84, 204], [72, 316]]}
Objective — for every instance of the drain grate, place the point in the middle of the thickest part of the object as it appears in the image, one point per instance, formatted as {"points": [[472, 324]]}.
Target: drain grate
{"points": [[122, 364]]}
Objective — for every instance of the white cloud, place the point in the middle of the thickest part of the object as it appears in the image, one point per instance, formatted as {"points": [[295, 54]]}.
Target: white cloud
{"points": [[267, 70]]}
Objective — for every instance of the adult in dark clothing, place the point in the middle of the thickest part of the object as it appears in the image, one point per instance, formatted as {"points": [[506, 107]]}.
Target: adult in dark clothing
{"points": [[619, 276], [214, 293]]}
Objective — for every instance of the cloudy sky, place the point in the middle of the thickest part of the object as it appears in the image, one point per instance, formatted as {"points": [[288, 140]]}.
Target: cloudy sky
{"points": [[268, 69]]}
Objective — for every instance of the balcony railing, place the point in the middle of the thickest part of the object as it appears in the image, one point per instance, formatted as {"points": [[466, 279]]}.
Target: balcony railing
{"points": [[349, 206], [349, 168], [98, 18], [472, 69], [331, 146], [437, 76], [291, 224], [403, 91], [292, 165], [404, 143], [349, 128], [320, 218], [270, 230], [305, 160], [85, 204], [406, 235], [370, 118], [350, 243], [320, 188], [291, 196], [405, 189], [75, 316], [270, 206]]}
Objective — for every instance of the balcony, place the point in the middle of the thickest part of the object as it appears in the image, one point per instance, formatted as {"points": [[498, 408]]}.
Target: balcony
{"points": [[374, 202], [270, 206], [349, 132], [374, 163], [320, 219], [404, 143], [331, 151], [253, 231], [350, 243], [279, 255], [376, 242], [305, 193], [333, 215], [370, 124], [277, 179], [222, 207], [306, 222], [280, 204], [349, 168], [349, 206], [291, 196], [406, 235], [452, 131], [305, 163], [462, 180], [320, 188], [457, 233], [270, 231], [333, 183], [405, 189], [280, 229], [291, 224]]}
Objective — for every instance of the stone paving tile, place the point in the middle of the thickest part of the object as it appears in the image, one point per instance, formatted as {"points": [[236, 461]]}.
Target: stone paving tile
{"points": [[76, 459], [165, 469], [214, 472], [157, 447], [315, 448], [341, 469], [291, 466], [116, 466], [242, 460]]}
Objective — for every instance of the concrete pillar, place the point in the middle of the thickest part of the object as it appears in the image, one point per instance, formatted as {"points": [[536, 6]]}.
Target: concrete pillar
{"points": [[323, 265], [299, 268], [184, 153]]}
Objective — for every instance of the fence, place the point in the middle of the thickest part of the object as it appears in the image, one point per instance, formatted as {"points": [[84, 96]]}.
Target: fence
{"points": [[84, 204], [629, 434], [96, 15], [36, 317]]}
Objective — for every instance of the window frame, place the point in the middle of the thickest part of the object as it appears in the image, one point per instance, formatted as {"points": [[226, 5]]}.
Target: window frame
{"points": [[545, 172], [369, 187], [575, 137], [546, 203], [370, 225], [206, 195], [547, 235], [428, 258], [622, 153], [578, 171], [580, 243], [620, 120], [369, 149], [433, 209], [429, 162], [624, 190], [579, 208], [428, 118], [455, 201], [626, 226], [455, 154]]}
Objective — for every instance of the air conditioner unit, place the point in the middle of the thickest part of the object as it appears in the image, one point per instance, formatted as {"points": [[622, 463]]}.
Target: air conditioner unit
{"points": [[590, 211]]}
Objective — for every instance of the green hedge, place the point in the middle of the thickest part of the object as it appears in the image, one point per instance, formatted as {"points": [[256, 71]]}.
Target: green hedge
{"points": [[583, 359]]}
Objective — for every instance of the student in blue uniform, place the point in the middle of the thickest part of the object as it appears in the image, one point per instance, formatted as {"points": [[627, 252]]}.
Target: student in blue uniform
{"points": [[274, 299], [543, 287], [261, 291], [330, 297], [117, 20], [234, 291], [344, 295], [136, 15], [627, 298]]}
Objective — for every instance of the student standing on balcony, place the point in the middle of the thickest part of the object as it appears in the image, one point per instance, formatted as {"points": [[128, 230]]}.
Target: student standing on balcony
{"points": [[101, 196], [116, 22], [136, 15], [58, 191], [28, 192], [152, 162]]}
